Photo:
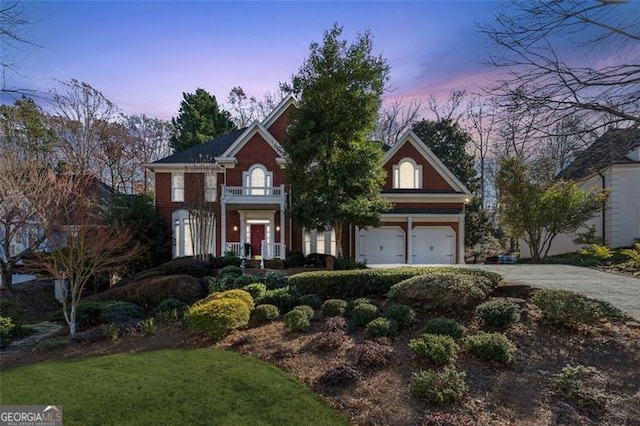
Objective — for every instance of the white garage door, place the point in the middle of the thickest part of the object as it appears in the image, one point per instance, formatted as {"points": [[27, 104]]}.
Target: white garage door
{"points": [[381, 245], [433, 245]]}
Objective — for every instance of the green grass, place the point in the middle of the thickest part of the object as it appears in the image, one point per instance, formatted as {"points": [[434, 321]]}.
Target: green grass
{"points": [[181, 386]]}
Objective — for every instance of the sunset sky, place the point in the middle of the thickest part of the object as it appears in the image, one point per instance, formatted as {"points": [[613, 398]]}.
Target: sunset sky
{"points": [[143, 55]]}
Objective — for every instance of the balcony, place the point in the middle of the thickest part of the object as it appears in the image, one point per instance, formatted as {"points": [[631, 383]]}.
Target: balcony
{"points": [[253, 195], [268, 250]]}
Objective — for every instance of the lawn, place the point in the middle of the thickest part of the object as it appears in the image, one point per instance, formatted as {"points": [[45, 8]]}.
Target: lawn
{"points": [[178, 386]]}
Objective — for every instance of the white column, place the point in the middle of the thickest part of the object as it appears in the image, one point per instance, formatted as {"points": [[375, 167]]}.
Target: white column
{"points": [[223, 225], [283, 246], [409, 240], [461, 238]]}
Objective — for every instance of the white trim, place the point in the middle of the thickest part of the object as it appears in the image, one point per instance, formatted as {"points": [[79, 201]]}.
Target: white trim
{"points": [[426, 197], [416, 178], [413, 139], [174, 187], [184, 167], [252, 130], [460, 253], [278, 111]]}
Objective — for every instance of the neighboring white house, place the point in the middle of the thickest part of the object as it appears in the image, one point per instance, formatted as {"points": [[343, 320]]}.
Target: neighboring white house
{"points": [[612, 161]]}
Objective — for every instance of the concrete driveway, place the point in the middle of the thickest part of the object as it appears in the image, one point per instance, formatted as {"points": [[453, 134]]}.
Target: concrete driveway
{"points": [[621, 291]]}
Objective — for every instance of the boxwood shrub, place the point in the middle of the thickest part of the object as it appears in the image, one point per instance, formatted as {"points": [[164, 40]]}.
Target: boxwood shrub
{"points": [[499, 312], [297, 320], [284, 298], [491, 347], [382, 327], [442, 290], [445, 327], [403, 315], [363, 313], [307, 310], [265, 313], [232, 294], [436, 348], [439, 387], [568, 308], [333, 307], [312, 300], [216, 317], [256, 290]]}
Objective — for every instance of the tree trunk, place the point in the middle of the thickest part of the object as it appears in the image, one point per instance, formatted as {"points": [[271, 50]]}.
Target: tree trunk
{"points": [[337, 228], [72, 321], [7, 278]]}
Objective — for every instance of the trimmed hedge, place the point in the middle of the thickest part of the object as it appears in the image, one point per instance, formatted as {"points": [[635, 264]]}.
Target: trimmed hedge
{"points": [[265, 313], [363, 313], [499, 312], [297, 320], [231, 294], [491, 346], [216, 317], [334, 307], [568, 308], [374, 282], [284, 298], [149, 293], [445, 327], [442, 290]]}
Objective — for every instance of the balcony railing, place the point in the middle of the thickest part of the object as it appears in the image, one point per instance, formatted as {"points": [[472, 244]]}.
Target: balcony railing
{"points": [[268, 250], [253, 194]]}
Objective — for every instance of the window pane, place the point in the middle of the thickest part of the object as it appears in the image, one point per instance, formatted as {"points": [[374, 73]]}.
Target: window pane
{"points": [[407, 179], [257, 181]]}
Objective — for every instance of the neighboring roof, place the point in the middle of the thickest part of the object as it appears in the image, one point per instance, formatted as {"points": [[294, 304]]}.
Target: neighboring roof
{"points": [[611, 148], [425, 211], [203, 153]]}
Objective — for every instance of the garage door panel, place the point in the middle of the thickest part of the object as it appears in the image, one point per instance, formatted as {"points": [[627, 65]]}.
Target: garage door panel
{"points": [[433, 245], [381, 245]]}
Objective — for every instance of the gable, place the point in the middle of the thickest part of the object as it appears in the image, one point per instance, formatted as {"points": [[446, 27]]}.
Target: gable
{"points": [[436, 177], [254, 129], [278, 128]]}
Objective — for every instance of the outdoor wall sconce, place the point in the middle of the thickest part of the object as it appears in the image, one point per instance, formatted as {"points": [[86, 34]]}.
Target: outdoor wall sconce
{"points": [[277, 228], [235, 228]]}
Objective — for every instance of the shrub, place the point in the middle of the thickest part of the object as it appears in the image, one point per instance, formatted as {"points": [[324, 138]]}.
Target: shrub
{"points": [[340, 375], [363, 314], [89, 314], [231, 271], [499, 312], [402, 314], [220, 262], [439, 387], [445, 327], [372, 354], [442, 290], [147, 327], [170, 304], [186, 266], [296, 259], [436, 348], [347, 263], [232, 294], [256, 290], [149, 293], [568, 308], [355, 302], [111, 332], [284, 298], [312, 300], [330, 340], [307, 310], [244, 280], [216, 317], [265, 313], [382, 327], [633, 255], [491, 347], [6, 328], [274, 280], [297, 320], [582, 384], [333, 307], [598, 252]]}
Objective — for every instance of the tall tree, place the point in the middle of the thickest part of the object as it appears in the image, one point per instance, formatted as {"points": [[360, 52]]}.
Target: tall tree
{"points": [[82, 116], [13, 21], [24, 128], [394, 119], [335, 173], [568, 58], [449, 143], [199, 120], [537, 209]]}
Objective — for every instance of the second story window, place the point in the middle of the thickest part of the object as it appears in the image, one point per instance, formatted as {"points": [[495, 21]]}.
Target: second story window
{"points": [[177, 187], [407, 175], [257, 180], [209, 187]]}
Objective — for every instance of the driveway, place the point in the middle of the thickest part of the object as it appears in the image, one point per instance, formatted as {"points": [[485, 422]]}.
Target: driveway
{"points": [[621, 291]]}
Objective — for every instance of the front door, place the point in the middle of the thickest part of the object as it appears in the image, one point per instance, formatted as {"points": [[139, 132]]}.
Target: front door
{"points": [[257, 235]]}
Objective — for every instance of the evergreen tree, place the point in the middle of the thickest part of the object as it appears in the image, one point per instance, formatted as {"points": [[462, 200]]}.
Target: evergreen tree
{"points": [[335, 173], [199, 120]]}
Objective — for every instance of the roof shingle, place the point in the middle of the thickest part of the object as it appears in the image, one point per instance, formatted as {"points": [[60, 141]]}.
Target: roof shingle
{"points": [[203, 153]]}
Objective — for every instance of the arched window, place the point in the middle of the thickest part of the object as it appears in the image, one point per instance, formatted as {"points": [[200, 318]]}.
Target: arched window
{"points": [[257, 180], [407, 175]]}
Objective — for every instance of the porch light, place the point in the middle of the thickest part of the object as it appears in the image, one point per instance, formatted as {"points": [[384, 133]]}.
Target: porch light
{"points": [[278, 228], [235, 228]]}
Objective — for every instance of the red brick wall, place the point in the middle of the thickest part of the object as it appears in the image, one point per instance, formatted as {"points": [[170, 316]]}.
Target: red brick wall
{"points": [[255, 151], [279, 127], [431, 179]]}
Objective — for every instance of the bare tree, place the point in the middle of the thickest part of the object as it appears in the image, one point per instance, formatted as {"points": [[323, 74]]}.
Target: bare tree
{"points": [[452, 109], [81, 116], [245, 108], [396, 118], [31, 199], [90, 249], [202, 189], [13, 21], [480, 122], [149, 138], [546, 77]]}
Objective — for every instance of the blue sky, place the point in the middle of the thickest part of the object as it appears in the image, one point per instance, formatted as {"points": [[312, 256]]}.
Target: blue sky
{"points": [[142, 55]]}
